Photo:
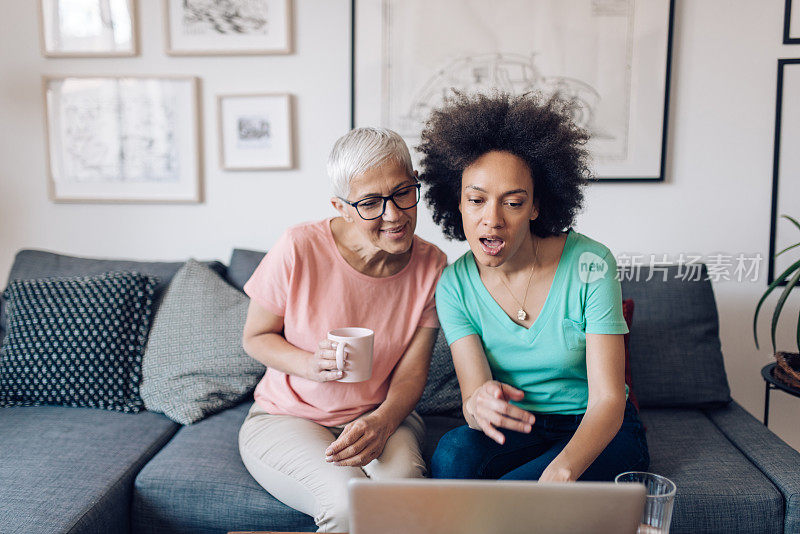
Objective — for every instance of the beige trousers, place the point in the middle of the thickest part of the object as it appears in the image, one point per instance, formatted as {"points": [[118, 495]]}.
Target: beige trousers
{"points": [[286, 455]]}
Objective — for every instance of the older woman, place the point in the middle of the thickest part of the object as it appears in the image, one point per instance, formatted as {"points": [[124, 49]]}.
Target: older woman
{"points": [[307, 434], [533, 312]]}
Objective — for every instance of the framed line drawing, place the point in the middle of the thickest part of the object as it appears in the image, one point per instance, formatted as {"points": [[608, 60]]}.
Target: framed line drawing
{"points": [[255, 132], [233, 27], [610, 57], [123, 139], [786, 167], [88, 28], [791, 22]]}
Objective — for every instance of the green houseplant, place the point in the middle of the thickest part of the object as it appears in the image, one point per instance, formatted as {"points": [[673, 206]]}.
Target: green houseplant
{"points": [[788, 363]]}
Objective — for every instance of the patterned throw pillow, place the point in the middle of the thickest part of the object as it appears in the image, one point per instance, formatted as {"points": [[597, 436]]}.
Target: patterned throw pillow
{"points": [[76, 341], [194, 364], [441, 396]]}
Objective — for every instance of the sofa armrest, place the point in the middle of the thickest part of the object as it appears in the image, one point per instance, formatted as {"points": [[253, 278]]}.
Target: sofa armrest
{"points": [[770, 454]]}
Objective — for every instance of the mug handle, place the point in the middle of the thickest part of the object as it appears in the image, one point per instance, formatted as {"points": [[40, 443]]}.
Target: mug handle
{"points": [[340, 355]]}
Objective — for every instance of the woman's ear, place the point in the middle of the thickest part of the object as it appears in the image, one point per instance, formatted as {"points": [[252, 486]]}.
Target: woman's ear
{"points": [[340, 207], [535, 209]]}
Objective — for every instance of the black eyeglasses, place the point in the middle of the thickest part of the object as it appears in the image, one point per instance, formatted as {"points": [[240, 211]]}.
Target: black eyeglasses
{"points": [[374, 207]]}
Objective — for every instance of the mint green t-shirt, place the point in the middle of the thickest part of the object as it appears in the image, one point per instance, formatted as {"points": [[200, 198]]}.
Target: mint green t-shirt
{"points": [[548, 360]]}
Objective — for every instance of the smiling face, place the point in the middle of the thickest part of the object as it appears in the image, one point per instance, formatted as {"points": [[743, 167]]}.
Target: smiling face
{"points": [[497, 206], [394, 231]]}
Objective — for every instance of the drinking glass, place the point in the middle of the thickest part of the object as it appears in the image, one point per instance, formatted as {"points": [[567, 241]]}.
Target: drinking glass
{"points": [[657, 513]]}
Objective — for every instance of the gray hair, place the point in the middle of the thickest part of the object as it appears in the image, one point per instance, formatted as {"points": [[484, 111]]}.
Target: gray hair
{"points": [[362, 149]]}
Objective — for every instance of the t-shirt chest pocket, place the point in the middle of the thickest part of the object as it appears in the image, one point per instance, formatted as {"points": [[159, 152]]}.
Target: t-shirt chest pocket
{"points": [[574, 334]]}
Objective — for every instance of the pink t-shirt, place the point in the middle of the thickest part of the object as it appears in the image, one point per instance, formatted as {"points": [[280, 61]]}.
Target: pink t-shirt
{"points": [[305, 279]]}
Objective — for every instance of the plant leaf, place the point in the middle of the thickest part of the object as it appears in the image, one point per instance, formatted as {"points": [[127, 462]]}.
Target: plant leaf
{"points": [[797, 224], [790, 247], [775, 283], [779, 306]]}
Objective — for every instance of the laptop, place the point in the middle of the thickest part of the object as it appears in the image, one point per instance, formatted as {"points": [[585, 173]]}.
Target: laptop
{"points": [[421, 506]]}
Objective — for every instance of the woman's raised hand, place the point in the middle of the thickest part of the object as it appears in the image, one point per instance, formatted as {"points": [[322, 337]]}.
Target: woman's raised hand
{"points": [[322, 364], [490, 407]]}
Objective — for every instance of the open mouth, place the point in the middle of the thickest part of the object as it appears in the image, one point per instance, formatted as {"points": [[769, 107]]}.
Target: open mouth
{"points": [[492, 245]]}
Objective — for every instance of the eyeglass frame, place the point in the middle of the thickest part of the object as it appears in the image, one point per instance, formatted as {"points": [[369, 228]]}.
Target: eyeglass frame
{"points": [[386, 199]]}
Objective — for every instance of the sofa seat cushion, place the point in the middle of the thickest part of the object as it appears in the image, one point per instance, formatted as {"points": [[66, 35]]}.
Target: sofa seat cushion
{"points": [[718, 489], [72, 469], [198, 484]]}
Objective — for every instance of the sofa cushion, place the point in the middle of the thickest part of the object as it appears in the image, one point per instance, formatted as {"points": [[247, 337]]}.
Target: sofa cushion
{"points": [[194, 364], [441, 395], [769, 453], [41, 264], [242, 265], [718, 489], [676, 335], [76, 341], [72, 469], [627, 313], [198, 484]]}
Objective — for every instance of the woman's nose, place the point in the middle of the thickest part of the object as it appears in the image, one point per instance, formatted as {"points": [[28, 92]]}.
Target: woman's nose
{"points": [[391, 212], [492, 215]]}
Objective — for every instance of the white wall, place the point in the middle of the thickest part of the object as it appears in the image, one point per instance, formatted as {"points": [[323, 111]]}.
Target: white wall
{"points": [[716, 197]]}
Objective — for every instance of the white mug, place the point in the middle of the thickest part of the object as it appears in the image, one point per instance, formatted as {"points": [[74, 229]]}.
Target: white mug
{"points": [[358, 343]]}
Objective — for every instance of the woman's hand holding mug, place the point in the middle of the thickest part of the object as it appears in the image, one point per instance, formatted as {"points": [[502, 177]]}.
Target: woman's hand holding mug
{"points": [[490, 407], [322, 364]]}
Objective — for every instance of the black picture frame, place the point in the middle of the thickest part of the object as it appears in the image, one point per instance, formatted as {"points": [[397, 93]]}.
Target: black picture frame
{"points": [[774, 215], [610, 179], [787, 19]]}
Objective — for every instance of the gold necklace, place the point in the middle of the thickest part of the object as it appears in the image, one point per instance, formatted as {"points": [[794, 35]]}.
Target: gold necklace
{"points": [[521, 313]]}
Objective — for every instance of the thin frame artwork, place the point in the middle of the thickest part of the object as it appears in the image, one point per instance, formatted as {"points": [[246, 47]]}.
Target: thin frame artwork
{"points": [[123, 139], [788, 38], [50, 29], [255, 139], [408, 55], [783, 179], [230, 34]]}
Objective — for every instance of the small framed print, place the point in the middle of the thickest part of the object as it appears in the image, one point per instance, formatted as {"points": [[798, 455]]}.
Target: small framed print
{"points": [[233, 27], [88, 28], [255, 132], [123, 139]]}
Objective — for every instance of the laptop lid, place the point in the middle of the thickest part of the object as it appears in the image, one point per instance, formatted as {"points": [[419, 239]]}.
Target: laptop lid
{"points": [[421, 506]]}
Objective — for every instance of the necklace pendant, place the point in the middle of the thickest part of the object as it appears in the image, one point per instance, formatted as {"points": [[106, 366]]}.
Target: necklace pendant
{"points": [[521, 315]]}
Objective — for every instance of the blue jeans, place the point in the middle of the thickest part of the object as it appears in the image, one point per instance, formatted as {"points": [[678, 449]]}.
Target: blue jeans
{"points": [[467, 453]]}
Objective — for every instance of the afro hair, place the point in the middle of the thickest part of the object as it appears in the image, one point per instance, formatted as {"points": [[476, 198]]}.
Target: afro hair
{"points": [[538, 130]]}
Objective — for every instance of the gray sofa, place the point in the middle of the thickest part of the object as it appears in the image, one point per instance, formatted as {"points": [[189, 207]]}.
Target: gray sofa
{"points": [[86, 470]]}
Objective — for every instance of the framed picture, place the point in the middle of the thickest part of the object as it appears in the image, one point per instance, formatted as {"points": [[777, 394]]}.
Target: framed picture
{"points": [[786, 168], [88, 28], [610, 57], [255, 132], [233, 27], [791, 22], [123, 139]]}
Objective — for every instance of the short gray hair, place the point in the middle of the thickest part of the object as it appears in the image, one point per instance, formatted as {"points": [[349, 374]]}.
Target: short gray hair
{"points": [[362, 149]]}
